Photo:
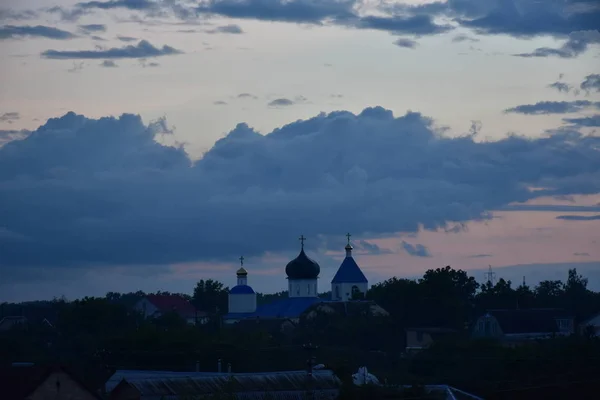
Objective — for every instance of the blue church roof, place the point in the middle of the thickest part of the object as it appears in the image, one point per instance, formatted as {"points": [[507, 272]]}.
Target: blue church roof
{"points": [[284, 308], [241, 289], [349, 272]]}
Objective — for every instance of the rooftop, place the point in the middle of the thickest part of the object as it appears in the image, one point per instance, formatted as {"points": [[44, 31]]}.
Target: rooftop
{"points": [[349, 272]]}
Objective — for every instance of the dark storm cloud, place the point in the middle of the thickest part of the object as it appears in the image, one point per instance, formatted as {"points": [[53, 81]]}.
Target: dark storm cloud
{"points": [[143, 49], [298, 11], [416, 250], [593, 121], [39, 31], [577, 44], [10, 135], [579, 217], [553, 107], [591, 83], [79, 191]]}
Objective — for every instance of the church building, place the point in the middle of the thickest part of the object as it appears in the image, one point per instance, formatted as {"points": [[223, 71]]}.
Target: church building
{"points": [[349, 283]]}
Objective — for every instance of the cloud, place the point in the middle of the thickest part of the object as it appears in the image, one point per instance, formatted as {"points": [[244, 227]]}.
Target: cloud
{"points": [[416, 250], [142, 50], [464, 38], [297, 11], [126, 38], [561, 87], [92, 28], [406, 43], [247, 96], [233, 29], [108, 64], [93, 192], [220, 103], [480, 256], [10, 135], [591, 83], [582, 254], [593, 121], [553, 107], [579, 217], [40, 31], [77, 67], [134, 5], [10, 117], [145, 64], [17, 15], [577, 44], [371, 248], [281, 102]]}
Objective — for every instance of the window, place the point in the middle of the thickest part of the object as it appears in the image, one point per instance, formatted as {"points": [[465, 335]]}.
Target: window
{"points": [[419, 336], [564, 324], [337, 292], [298, 290], [308, 288]]}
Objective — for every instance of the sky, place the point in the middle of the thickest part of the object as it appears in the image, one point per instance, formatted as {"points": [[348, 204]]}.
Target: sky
{"points": [[146, 144]]}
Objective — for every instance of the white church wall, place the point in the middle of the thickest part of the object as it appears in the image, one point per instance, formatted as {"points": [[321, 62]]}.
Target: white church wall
{"points": [[303, 288], [242, 303], [343, 291]]}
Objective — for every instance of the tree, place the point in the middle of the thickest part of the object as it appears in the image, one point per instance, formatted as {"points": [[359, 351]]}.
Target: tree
{"points": [[210, 296], [448, 296]]}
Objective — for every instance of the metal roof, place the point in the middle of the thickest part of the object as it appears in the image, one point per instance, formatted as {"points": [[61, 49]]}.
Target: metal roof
{"points": [[279, 385], [349, 272], [241, 289], [285, 308]]}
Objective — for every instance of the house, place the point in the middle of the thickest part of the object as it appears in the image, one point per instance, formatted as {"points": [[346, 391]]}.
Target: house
{"points": [[36, 382], [591, 326], [154, 306], [155, 385], [20, 321], [423, 337], [523, 325]]}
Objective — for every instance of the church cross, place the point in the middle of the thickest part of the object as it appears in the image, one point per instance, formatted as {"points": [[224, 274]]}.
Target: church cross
{"points": [[302, 239], [242, 260], [348, 236]]}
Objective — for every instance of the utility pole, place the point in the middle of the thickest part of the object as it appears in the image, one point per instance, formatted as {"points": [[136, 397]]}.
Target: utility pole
{"points": [[310, 363]]}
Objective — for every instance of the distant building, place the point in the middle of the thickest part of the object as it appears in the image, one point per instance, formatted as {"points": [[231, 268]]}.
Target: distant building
{"points": [[154, 306], [156, 385], [349, 283], [591, 325], [242, 298], [421, 338], [33, 382], [303, 291], [523, 325]]}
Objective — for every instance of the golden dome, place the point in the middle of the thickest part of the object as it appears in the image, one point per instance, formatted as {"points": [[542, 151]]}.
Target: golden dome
{"points": [[242, 271]]}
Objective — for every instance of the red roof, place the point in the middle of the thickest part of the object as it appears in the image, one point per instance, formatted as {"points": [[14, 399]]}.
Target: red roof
{"points": [[166, 303]]}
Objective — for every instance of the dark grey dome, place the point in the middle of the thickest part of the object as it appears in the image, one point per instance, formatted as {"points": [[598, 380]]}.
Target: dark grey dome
{"points": [[302, 267]]}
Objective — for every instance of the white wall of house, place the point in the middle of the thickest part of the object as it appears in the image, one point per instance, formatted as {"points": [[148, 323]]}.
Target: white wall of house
{"points": [[242, 303], [303, 288], [594, 323], [145, 307], [343, 291]]}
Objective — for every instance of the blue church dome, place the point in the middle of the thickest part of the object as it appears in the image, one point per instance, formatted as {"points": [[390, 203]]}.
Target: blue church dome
{"points": [[241, 289]]}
